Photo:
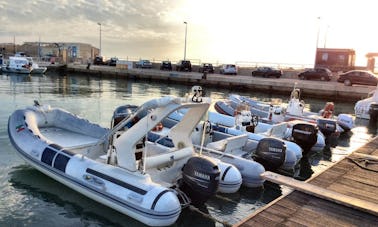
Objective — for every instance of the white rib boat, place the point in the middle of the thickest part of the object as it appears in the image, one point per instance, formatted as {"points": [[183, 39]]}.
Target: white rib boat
{"points": [[368, 108], [118, 168]]}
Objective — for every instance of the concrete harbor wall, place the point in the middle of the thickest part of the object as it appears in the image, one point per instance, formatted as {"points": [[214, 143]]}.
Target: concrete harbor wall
{"points": [[283, 85]]}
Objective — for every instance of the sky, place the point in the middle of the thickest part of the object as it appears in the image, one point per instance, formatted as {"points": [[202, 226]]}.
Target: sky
{"points": [[218, 31]]}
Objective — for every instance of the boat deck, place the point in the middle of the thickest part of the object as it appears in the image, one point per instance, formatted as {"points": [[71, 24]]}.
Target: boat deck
{"points": [[347, 196], [66, 138]]}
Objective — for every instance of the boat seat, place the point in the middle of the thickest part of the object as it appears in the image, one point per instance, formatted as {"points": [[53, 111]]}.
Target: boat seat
{"points": [[277, 130], [230, 144]]}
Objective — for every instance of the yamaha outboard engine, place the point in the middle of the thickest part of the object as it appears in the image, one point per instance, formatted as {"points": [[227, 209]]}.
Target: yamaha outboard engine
{"points": [[121, 113], [271, 153], [200, 179], [305, 135], [326, 126], [373, 112]]}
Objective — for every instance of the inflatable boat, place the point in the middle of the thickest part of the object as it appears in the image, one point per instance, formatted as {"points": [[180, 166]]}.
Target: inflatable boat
{"points": [[303, 133], [368, 108], [118, 167], [294, 110]]}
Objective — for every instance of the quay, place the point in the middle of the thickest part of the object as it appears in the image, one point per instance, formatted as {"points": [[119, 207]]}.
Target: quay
{"points": [[346, 194], [283, 85]]}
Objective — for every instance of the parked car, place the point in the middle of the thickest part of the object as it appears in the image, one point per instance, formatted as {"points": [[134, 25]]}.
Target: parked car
{"points": [[228, 69], [267, 72], [206, 67], [144, 64], [112, 61], [166, 65], [98, 60], [358, 77], [317, 74], [184, 65]]}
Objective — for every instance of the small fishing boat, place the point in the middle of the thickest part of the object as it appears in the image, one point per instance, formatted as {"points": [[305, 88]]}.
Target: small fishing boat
{"points": [[118, 167], [17, 65], [368, 108]]}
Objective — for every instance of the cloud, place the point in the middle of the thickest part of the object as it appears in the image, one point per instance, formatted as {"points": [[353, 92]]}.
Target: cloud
{"points": [[140, 23]]}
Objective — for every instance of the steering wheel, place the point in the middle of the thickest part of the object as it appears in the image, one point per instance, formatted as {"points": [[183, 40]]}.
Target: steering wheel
{"points": [[254, 120]]}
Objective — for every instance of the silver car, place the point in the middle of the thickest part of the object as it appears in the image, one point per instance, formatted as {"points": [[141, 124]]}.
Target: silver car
{"points": [[228, 69]]}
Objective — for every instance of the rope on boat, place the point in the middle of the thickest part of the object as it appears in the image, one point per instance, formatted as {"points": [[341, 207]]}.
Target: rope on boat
{"points": [[225, 199], [365, 161], [195, 209]]}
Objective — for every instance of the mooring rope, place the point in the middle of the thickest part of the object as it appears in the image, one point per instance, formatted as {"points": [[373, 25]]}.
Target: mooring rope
{"points": [[365, 161], [195, 209]]}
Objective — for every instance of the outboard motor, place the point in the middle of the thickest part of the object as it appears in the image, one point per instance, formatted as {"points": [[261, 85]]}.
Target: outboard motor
{"points": [[346, 121], [305, 135], [200, 179], [373, 112], [121, 113], [326, 126], [271, 153]]}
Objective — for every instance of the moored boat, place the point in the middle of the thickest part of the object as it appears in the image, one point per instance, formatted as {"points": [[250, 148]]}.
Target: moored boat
{"points": [[17, 65], [295, 110], [305, 134], [117, 167], [368, 108]]}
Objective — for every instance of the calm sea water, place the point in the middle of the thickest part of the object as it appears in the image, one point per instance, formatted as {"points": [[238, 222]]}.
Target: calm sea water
{"points": [[29, 198]]}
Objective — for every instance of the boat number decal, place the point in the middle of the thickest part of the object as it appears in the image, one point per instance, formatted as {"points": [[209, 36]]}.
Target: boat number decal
{"points": [[20, 128]]}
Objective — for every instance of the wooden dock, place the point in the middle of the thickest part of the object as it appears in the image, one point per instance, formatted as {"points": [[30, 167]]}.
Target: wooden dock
{"points": [[346, 194]]}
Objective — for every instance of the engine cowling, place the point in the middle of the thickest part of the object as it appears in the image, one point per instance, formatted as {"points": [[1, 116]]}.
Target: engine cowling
{"points": [[373, 112], [305, 135], [200, 179], [271, 153], [326, 126]]}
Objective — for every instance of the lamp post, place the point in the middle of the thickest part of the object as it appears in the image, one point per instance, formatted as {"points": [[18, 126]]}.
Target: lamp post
{"points": [[325, 36], [100, 38], [186, 30], [317, 40]]}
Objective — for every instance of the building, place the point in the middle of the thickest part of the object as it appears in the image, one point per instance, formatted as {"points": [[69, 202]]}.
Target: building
{"points": [[335, 59], [46, 51]]}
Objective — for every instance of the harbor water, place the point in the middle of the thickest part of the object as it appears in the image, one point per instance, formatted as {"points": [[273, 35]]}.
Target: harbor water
{"points": [[29, 198]]}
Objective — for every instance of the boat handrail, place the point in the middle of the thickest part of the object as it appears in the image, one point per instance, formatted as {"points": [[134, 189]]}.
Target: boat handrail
{"points": [[154, 103]]}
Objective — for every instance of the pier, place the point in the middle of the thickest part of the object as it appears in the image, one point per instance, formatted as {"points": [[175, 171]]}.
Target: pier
{"points": [[346, 194], [283, 85]]}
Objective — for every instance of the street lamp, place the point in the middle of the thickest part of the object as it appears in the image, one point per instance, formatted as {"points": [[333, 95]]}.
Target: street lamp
{"points": [[100, 38], [186, 30], [317, 41]]}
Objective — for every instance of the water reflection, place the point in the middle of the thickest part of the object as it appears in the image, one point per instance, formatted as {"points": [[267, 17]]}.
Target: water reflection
{"points": [[43, 195]]}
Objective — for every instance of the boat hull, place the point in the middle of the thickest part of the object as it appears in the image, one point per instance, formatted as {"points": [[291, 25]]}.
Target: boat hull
{"points": [[133, 195], [14, 70]]}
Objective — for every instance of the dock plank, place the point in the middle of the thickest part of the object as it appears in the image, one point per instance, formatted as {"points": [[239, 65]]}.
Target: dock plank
{"points": [[315, 203]]}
